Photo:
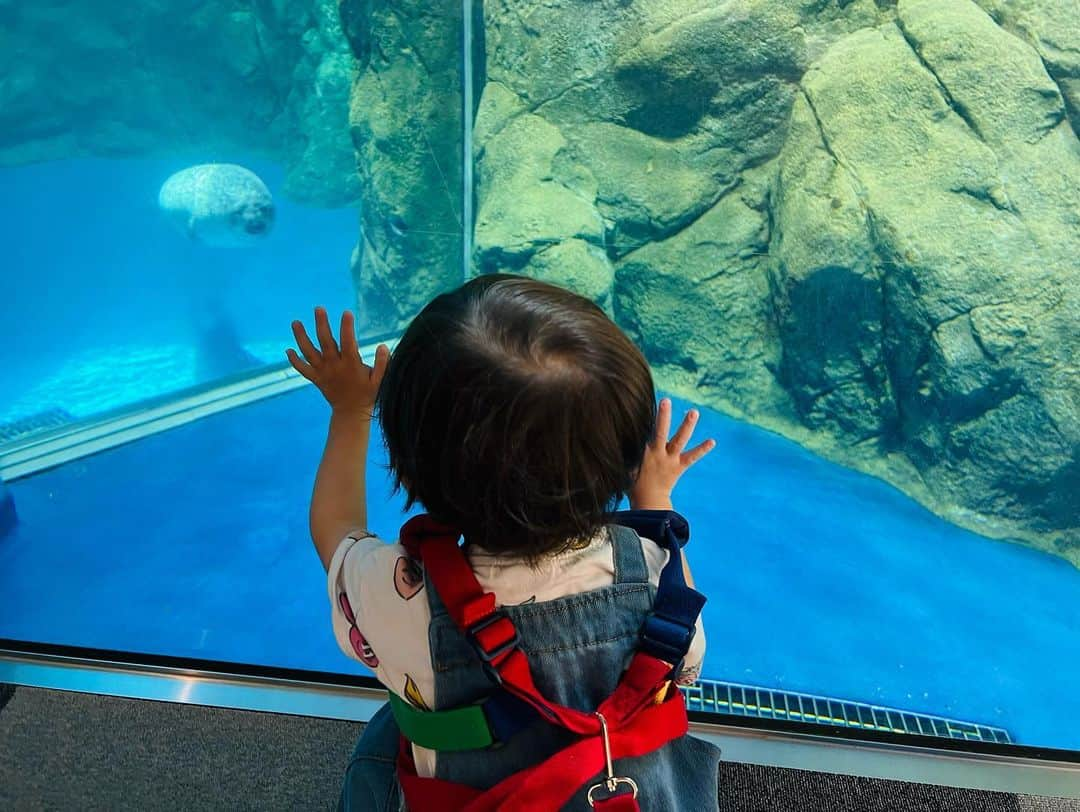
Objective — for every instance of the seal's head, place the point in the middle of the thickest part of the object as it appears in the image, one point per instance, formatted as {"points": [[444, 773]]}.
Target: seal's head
{"points": [[255, 218]]}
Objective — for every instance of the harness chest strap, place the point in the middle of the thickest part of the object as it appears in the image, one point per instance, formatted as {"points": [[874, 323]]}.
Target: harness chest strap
{"points": [[666, 634], [473, 611], [637, 725], [556, 780]]}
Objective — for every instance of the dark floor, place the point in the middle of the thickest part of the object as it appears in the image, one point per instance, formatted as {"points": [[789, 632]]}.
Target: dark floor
{"points": [[73, 751]]}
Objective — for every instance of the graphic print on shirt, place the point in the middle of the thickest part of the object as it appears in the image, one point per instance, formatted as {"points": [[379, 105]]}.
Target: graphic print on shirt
{"points": [[359, 642], [408, 577], [688, 676], [413, 696]]}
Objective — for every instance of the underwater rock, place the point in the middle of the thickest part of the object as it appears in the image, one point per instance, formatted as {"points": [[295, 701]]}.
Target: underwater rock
{"points": [[697, 302], [928, 195], [218, 204], [826, 291], [852, 222], [8, 517], [528, 205], [405, 121], [161, 78], [690, 58], [321, 164], [656, 170], [1053, 29], [628, 166], [538, 215], [578, 265]]}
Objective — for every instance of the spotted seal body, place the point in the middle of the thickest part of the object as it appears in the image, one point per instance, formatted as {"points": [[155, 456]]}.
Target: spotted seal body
{"points": [[218, 204]]}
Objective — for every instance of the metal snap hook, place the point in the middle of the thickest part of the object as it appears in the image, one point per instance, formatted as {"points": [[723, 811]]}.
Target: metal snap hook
{"points": [[611, 782]]}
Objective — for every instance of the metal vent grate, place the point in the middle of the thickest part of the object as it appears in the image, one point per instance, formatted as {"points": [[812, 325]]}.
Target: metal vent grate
{"points": [[769, 703]]}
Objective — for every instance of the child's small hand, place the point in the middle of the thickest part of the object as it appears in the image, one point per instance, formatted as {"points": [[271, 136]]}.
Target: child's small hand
{"points": [[666, 461], [348, 384]]}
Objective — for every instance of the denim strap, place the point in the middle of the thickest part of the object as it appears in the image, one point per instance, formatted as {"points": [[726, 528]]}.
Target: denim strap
{"points": [[629, 558]]}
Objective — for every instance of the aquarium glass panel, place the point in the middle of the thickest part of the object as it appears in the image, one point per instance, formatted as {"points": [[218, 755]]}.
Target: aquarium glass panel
{"points": [[845, 232]]}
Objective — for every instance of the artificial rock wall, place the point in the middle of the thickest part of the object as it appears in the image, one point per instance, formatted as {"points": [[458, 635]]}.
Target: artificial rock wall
{"points": [[181, 78], [856, 223]]}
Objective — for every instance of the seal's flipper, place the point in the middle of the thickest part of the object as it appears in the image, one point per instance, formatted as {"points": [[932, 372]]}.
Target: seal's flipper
{"points": [[219, 353]]}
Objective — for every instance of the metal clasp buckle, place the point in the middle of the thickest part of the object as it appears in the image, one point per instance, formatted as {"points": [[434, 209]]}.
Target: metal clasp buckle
{"points": [[611, 783], [487, 658]]}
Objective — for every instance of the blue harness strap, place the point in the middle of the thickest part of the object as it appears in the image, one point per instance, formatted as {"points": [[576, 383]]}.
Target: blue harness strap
{"points": [[669, 628]]}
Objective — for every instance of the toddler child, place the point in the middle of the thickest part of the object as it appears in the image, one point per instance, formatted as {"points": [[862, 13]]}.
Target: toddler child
{"points": [[518, 415]]}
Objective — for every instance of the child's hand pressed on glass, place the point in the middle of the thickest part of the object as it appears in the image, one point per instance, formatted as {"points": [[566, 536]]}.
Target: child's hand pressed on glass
{"points": [[665, 460], [347, 383], [339, 501]]}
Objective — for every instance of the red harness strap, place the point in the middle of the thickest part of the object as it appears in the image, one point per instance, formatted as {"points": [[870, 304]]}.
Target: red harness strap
{"points": [[635, 723]]}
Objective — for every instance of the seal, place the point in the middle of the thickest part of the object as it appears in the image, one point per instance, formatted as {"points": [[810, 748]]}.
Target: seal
{"points": [[218, 204]]}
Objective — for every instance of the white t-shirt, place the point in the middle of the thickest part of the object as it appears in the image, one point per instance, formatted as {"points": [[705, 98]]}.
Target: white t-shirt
{"points": [[381, 616]]}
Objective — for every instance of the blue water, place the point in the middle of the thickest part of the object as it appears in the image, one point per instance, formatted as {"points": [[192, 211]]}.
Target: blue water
{"points": [[194, 542], [97, 283]]}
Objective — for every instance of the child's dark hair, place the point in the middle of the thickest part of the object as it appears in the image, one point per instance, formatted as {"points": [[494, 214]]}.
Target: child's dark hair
{"points": [[516, 412]]}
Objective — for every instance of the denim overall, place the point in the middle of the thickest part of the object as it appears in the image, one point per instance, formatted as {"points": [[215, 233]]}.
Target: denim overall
{"points": [[577, 646]]}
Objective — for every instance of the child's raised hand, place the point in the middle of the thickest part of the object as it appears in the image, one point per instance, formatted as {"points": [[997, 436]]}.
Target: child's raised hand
{"points": [[347, 383], [665, 461]]}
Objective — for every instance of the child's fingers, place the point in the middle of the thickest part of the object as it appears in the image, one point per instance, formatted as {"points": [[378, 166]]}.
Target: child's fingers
{"points": [[682, 436], [663, 422], [300, 366], [382, 357], [324, 333], [697, 452], [311, 355], [349, 347]]}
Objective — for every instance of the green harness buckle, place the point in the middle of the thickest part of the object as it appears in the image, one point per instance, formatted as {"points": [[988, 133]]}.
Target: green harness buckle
{"points": [[445, 731]]}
